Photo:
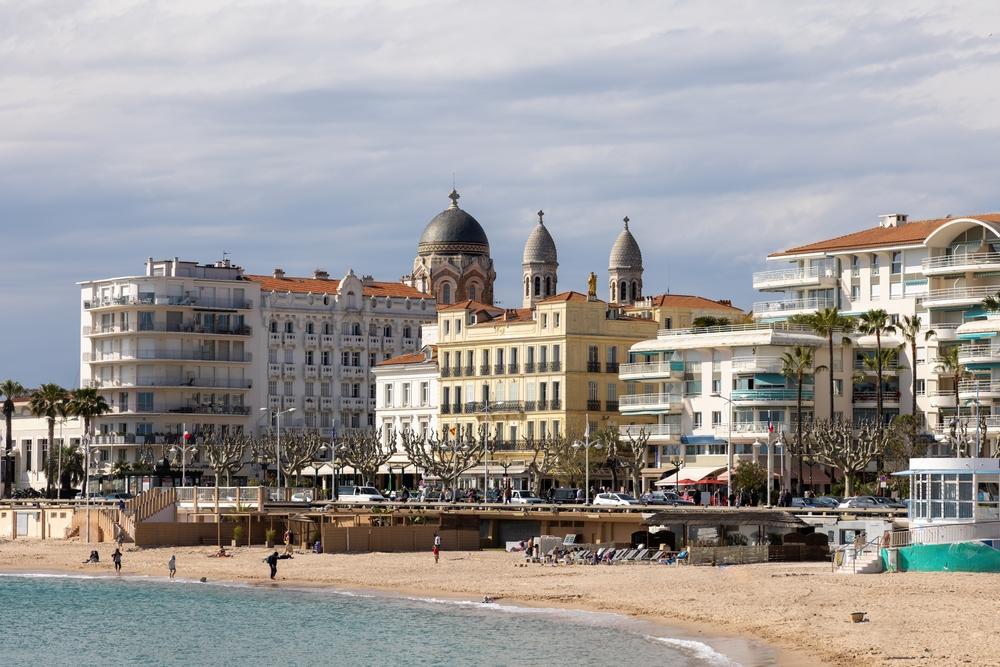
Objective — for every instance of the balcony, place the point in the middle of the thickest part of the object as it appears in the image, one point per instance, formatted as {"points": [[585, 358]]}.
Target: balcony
{"points": [[176, 382], [469, 371], [189, 301], [456, 371], [374, 341], [871, 396], [309, 404], [352, 341], [274, 339], [288, 339], [353, 372], [593, 367], [750, 429], [651, 371], [891, 368], [512, 369], [163, 327], [445, 409], [541, 404], [555, 366], [327, 340], [529, 367], [961, 263], [611, 406], [979, 353], [593, 405], [193, 409], [288, 402], [494, 407], [780, 279], [737, 328], [484, 369], [942, 398], [409, 343], [786, 307], [973, 389], [388, 342], [530, 406], [312, 340], [288, 370], [656, 432], [311, 370], [957, 296], [353, 404], [168, 355], [274, 402], [445, 372], [371, 404], [456, 408], [498, 369], [754, 364], [648, 403], [778, 395], [325, 403], [326, 371], [555, 404]]}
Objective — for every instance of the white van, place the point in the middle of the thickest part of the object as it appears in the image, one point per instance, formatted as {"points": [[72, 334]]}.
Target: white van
{"points": [[359, 494]]}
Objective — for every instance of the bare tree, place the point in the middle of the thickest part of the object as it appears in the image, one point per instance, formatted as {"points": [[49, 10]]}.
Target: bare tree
{"points": [[445, 459], [541, 463], [226, 454], [633, 456], [298, 449], [838, 445], [570, 460], [367, 451]]}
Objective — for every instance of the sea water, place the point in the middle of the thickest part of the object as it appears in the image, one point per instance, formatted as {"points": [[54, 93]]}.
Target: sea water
{"points": [[77, 620]]}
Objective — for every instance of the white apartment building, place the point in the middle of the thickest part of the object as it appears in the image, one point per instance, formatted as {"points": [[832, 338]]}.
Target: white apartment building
{"points": [[30, 436], [941, 269]]}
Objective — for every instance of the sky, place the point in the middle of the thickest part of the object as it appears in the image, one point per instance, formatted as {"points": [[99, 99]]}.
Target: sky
{"points": [[327, 134]]}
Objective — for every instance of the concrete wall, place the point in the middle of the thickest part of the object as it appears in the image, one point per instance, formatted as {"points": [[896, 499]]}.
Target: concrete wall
{"points": [[395, 538], [48, 523]]}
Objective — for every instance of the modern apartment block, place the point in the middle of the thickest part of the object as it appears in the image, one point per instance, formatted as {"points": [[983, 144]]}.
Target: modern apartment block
{"points": [[702, 384]]}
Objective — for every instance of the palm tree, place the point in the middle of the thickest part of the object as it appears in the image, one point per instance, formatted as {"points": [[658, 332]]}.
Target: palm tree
{"points": [[826, 323], [796, 365], [910, 330], [49, 401], [87, 404], [10, 389], [949, 364], [69, 470], [876, 322], [992, 302]]}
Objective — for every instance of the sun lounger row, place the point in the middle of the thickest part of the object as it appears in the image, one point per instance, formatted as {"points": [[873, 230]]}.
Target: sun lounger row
{"points": [[611, 556]]}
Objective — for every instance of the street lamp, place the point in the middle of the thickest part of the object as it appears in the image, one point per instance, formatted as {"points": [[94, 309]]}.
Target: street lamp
{"points": [[62, 422], [333, 449], [277, 447], [586, 445], [770, 464], [184, 449], [729, 448]]}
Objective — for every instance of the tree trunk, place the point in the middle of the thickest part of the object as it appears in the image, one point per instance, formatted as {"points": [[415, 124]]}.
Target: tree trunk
{"points": [[48, 468], [878, 377], [830, 372], [913, 393], [848, 484], [798, 434]]}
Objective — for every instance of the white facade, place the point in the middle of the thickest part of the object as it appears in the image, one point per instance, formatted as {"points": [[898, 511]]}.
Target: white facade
{"points": [[30, 436], [407, 393]]}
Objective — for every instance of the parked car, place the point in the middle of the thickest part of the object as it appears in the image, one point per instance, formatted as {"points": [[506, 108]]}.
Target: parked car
{"points": [[890, 503], [615, 499], [826, 502], [430, 495], [302, 497], [524, 497], [94, 495], [858, 502], [566, 496], [359, 494], [663, 498], [118, 495], [804, 502]]}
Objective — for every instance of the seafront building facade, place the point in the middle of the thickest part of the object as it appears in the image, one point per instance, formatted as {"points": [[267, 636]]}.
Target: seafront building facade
{"points": [[707, 383]]}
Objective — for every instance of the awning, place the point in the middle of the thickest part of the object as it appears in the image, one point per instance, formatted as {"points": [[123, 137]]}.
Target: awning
{"points": [[690, 475], [701, 440], [977, 336], [947, 471], [495, 471], [724, 476], [776, 379]]}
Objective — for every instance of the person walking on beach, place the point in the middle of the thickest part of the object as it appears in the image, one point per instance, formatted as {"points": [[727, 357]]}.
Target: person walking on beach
{"points": [[272, 560], [172, 565], [116, 558], [437, 547]]}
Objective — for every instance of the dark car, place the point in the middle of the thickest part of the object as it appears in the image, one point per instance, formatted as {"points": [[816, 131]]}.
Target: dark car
{"points": [[566, 496], [663, 498], [890, 503]]}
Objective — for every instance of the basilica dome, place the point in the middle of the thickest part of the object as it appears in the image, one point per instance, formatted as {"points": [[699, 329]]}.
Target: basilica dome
{"points": [[625, 253], [454, 231], [540, 248]]}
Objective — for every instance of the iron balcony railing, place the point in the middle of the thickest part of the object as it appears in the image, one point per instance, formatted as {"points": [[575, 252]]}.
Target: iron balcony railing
{"points": [[484, 369], [611, 367], [593, 367], [777, 394], [736, 328], [789, 305], [593, 405]]}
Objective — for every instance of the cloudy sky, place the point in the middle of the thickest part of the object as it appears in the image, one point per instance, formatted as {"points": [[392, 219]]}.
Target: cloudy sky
{"points": [[321, 134]]}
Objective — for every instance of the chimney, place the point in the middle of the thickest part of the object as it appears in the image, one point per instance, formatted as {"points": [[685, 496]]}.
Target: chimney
{"points": [[320, 274], [726, 302], [278, 273], [892, 220]]}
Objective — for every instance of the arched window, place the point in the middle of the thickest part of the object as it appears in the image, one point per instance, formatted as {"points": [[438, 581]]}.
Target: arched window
{"points": [[527, 286], [356, 329], [614, 291], [289, 327], [310, 328], [274, 326], [472, 292], [387, 331], [538, 285], [623, 291], [635, 290], [407, 332], [446, 293], [548, 285]]}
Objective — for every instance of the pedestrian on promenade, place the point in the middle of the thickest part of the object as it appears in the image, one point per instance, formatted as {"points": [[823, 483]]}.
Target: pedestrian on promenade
{"points": [[437, 547], [272, 560], [116, 558], [172, 565]]}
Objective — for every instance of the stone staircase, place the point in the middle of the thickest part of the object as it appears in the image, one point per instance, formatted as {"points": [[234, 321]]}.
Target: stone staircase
{"points": [[866, 562]]}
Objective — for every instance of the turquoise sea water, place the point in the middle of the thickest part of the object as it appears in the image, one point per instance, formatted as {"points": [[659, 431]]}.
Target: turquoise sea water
{"points": [[99, 621]]}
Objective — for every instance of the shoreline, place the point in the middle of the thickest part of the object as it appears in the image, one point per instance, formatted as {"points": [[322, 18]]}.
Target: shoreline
{"points": [[795, 613]]}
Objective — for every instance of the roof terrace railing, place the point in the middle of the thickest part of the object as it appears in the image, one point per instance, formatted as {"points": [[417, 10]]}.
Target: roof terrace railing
{"points": [[961, 259], [790, 305], [735, 328], [960, 293], [779, 275]]}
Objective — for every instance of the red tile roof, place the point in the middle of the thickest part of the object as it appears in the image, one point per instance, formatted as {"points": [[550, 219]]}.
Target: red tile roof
{"points": [[475, 306], [688, 301], [575, 297], [413, 358], [907, 233], [329, 286], [508, 316]]}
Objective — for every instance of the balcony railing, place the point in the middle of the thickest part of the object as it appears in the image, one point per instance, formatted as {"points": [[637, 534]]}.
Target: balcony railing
{"points": [[593, 405], [754, 364], [529, 367], [656, 368], [445, 372], [631, 400], [456, 408], [555, 366], [484, 369], [555, 404], [231, 304], [976, 386], [494, 407], [352, 341], [969, 351], [611, 406], [593, 367], [960, 293], [891, 367], [168, 355], [792, 275], [512, 369], [212, 383], [611, 367], [736, 328], [791, 305], [163, 327], [778, 394], [498, 369], [652, 430], [870, 395], [961, 260]]}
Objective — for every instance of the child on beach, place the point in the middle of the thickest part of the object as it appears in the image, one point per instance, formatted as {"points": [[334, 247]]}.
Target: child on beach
{"points": [[172, 565], [272, 560], [437, 548], [116, 558]]}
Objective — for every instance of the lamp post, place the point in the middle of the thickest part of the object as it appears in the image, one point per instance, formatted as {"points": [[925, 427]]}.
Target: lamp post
{"points": [[729, 448], [333, 466], [184, 448], [277, 446], [586, 444], [86, 483], [62, 423]]}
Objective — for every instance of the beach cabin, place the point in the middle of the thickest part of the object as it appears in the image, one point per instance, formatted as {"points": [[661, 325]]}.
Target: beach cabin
{"points": [[954, 517]]}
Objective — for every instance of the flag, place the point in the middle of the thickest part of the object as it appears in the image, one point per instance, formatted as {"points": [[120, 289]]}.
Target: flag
{"points": [[586, 429], [453, 430], [770, 426]]}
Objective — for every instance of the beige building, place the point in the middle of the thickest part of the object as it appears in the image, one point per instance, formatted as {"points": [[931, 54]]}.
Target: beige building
{"points": [[679, 311]]}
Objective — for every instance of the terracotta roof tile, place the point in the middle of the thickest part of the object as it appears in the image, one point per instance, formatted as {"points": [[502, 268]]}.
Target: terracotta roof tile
{"points": [[329, 286], [915, 231], [413, 358], [688, 301], [475, 306], [575, 297]]}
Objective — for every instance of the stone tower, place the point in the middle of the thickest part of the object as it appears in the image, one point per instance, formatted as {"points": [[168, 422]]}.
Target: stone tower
{"points": [[625, 269], [539, 264]]}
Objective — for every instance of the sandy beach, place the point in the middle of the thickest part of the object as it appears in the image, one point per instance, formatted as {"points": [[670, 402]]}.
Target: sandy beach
{"points": [[803, 609]]}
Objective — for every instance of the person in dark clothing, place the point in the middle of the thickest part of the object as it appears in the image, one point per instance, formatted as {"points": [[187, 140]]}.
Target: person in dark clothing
{"points": [[116, 558], [272, 560]]}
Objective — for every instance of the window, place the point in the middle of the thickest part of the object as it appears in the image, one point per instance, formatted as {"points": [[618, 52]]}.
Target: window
{"points": [[388, 396], [876, 291], [288, 356], [874, 262], [592, 391], [387, 331], [424, 393], [310, 358], [558, 318], [145, 320], [310, 388], [144, 401], [26, 446], [406, 394], [272, 387], [445, 395], [697, 420], [310, 328], [668, 322], [458, 326], [716, 386], [613, 354], [447, 327], [123, 401], [612, 391], [838, 387], [716, 418], [325, 389], [897, 263], [289, 327], [446, 293], [272, 356], [274, 326], [356, 359], [556, 354], [407, 332], [920, 387], [472, 292], [325, 357], [345, 358], [545, 320]]}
